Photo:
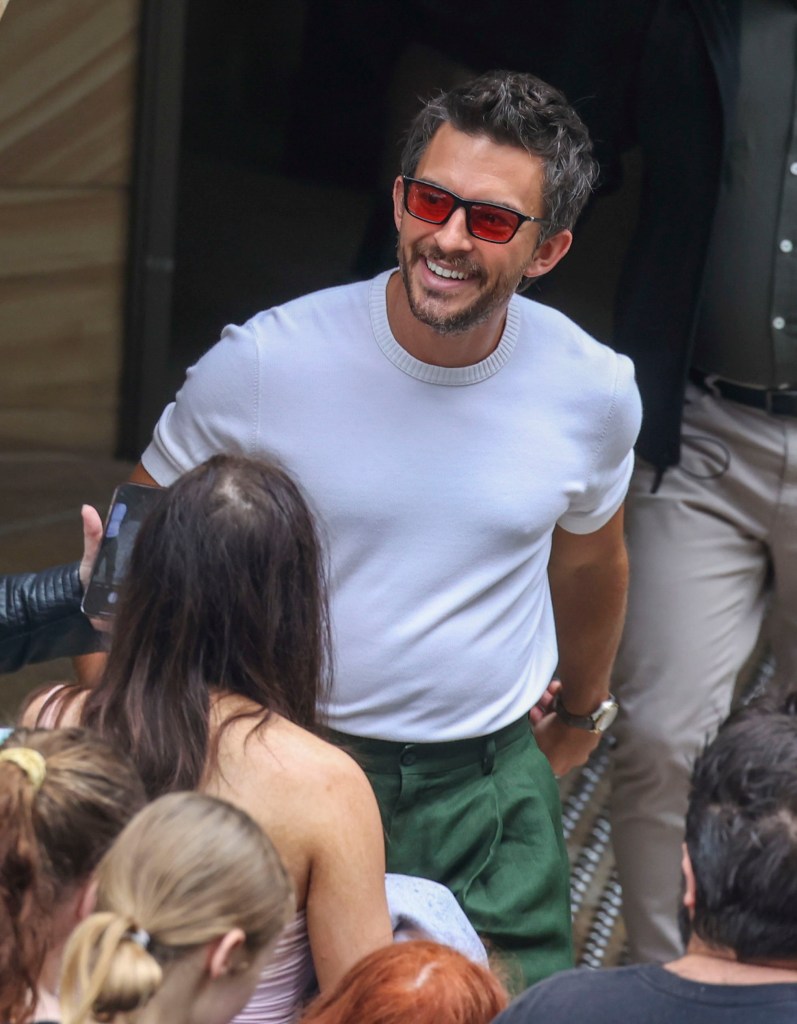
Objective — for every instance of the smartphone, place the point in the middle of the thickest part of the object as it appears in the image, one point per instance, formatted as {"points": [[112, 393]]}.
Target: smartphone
{"points": [[129, 505]]}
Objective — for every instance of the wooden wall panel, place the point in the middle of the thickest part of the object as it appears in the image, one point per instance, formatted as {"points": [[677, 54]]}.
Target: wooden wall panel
{"points": [[45, 230], [67, 70], [66, 91], [60, 315]]}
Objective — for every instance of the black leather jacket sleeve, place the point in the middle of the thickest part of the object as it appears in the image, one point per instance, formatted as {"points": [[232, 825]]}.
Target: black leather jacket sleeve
{"points": [[40, 618]]}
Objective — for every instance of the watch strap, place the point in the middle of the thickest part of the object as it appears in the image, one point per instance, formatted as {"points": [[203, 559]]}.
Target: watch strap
{"points": [[592, 722]]}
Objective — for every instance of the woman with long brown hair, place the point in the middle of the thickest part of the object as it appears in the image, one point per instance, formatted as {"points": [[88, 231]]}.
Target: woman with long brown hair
{"points": [[218, 663]]}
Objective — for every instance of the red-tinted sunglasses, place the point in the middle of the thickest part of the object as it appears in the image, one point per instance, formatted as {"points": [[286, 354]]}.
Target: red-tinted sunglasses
{"points": [[486, 221]]}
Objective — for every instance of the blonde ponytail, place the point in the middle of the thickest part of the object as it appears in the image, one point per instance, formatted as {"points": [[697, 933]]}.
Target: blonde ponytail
{"points": [[185, 871], [107, 971]]}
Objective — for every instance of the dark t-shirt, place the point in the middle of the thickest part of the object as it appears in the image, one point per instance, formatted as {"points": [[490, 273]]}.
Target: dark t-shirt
{"points": [[648, 994]]}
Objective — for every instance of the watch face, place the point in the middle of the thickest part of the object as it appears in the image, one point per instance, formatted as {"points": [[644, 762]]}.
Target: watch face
{"points": [[605, 715]]}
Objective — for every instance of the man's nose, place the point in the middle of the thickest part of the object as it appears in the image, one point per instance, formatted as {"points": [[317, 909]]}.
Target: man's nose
{"points": [[453, 236]]}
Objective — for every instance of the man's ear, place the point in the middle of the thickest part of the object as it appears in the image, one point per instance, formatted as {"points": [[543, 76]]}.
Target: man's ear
{"points": [[546, 256], [223, 953], [689, 880], [398, 201]]}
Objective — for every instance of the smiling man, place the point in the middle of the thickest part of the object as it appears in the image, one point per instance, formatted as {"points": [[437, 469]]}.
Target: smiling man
{"points": [[451, 283], [468, 452]]}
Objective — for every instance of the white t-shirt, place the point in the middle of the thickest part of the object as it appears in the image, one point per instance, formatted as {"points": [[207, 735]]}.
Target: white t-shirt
{"points": [[437, 489]]}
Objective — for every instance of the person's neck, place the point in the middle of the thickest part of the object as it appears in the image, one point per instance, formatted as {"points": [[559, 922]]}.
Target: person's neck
{"points": [[47, 1003], [175, 999], [63, 919], [720, 966], [430, 346]]}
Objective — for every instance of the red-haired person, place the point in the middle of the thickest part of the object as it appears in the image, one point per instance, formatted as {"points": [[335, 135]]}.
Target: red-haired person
{"points": [[415, 982]]}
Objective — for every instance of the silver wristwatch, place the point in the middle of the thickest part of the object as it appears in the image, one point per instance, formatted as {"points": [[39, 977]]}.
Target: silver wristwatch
{"points": [[599, 721]]}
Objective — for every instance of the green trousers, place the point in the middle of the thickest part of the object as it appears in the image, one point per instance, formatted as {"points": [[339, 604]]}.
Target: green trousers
{"points": [[483, 817]]}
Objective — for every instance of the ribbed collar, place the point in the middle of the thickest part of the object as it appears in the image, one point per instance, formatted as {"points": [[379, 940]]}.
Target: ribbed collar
{"points": [[448, 375]]}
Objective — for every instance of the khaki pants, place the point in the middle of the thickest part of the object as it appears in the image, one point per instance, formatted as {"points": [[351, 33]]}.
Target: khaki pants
{"points": [[703, 552], [483, 818]]}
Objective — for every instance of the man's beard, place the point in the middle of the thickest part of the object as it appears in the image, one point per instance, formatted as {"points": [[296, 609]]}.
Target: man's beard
{"points": [[461, 320]]}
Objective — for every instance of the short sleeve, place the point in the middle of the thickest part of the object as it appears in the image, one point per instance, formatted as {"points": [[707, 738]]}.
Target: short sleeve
{"points": [[613, 456], [216, 410]]}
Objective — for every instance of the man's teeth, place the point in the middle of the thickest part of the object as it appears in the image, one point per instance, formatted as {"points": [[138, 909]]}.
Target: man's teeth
{"points": [[443, 272]]}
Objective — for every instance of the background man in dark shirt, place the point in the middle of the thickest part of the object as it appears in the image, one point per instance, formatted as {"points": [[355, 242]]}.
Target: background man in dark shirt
{"points": [[739, 903]]}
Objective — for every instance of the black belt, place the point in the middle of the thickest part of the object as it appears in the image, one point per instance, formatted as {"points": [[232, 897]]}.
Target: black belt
{"points": [[780, 402]]}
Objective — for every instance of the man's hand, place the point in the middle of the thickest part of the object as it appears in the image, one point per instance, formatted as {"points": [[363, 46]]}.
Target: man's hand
{"points": [[565, 746], [544, 705]]}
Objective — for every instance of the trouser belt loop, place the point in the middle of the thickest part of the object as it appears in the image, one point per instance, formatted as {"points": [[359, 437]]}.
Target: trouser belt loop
{"points": [[488, 758], [709, 383]]}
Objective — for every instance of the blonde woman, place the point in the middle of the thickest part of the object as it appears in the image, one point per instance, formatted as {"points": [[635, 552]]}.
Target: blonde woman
{"points": [[65, 795], [189, 903], [217, 668]]}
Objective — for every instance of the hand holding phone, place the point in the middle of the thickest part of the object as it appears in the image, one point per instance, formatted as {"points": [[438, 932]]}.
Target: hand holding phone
{"points": [[130, 504]]}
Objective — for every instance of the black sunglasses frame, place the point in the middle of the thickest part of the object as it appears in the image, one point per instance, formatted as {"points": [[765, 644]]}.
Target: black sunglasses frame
{"points": [[467, 205]]}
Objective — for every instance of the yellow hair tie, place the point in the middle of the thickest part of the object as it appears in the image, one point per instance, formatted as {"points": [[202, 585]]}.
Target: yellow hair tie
{"points": [[30, 761]]}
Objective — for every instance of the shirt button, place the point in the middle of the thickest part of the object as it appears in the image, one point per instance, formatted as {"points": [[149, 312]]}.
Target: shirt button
{"points": [[407, 757], [793, 167], [786, 245], [778, 323]]}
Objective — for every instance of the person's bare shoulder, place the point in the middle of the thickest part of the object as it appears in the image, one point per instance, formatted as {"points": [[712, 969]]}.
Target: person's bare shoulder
{"points": [[334, 790], [299, 788], [303, 761], [296, 785], [48, 708]]}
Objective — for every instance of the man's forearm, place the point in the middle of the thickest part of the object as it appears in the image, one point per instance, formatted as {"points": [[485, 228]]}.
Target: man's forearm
{"points": [[588, 575], [589, 608]]}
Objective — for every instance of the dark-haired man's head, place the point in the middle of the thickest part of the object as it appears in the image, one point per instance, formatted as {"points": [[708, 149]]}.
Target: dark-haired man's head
{"points": [[517, 109], [494, 174], [740, 863]]}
